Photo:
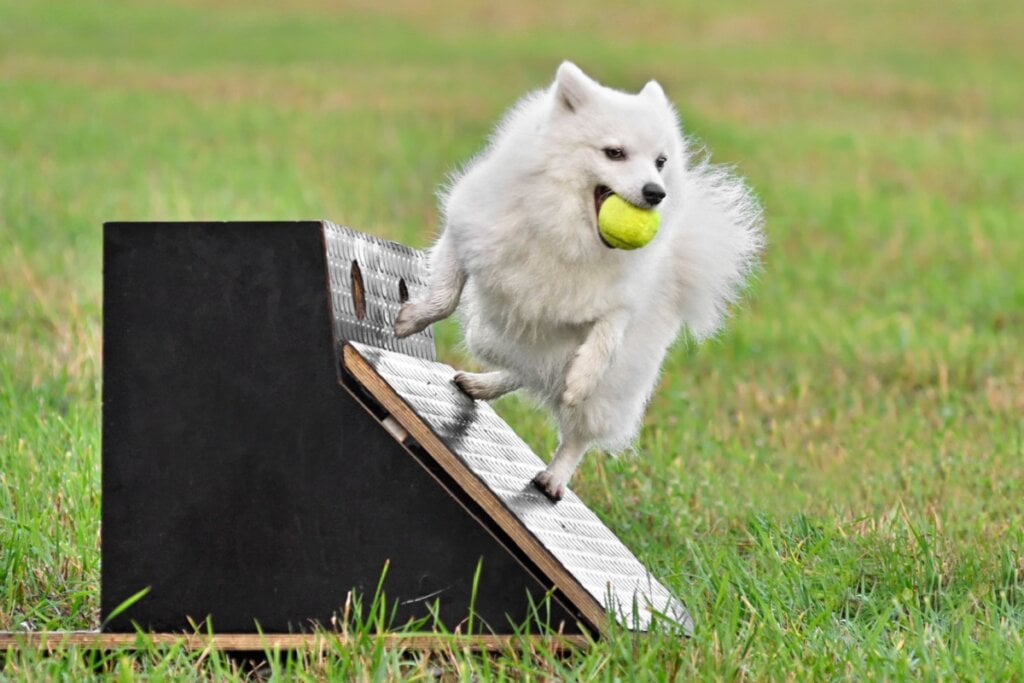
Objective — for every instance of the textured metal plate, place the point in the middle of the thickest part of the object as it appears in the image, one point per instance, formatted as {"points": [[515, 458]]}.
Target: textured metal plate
{"points": [[493, 453], [383, 265]]}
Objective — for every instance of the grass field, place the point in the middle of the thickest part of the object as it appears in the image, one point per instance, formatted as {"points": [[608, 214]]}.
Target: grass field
{"points": [[834, 486]]}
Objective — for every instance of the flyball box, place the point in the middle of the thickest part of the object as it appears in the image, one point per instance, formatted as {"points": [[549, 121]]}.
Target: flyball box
{"points": [[270, 446]]}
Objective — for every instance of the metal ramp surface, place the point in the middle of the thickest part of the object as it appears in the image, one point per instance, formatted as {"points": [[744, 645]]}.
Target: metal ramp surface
{"points": [[579, 554], [576, 551]]}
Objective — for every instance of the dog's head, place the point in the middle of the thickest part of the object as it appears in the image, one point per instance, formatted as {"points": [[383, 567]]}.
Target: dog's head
{"points": [[608, 141]]}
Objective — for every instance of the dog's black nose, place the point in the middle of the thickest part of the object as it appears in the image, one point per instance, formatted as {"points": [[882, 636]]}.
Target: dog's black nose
{"points": [[653, 193]]}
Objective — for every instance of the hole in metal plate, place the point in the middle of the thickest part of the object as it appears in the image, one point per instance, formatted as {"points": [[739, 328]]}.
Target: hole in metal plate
{"points": [[358, 292]]}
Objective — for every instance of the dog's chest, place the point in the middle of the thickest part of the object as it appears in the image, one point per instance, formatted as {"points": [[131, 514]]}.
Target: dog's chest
{"points": [[536, 286]]}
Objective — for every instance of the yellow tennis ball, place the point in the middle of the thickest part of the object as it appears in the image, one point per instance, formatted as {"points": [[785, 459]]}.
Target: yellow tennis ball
{"points": [[625, 226]]}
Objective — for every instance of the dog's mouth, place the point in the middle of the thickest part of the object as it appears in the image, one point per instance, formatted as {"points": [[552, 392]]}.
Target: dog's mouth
{"points": [[601, 193]]}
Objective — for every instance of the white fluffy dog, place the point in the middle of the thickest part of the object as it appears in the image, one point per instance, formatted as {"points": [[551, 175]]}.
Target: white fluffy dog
{"points": [[545, 301]]}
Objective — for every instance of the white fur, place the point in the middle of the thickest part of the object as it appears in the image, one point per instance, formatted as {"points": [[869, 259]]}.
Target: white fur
{"points": [[583, 327]]}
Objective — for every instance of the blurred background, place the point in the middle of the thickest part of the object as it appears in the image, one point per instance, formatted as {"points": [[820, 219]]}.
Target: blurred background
{"points": [[877, 362]]}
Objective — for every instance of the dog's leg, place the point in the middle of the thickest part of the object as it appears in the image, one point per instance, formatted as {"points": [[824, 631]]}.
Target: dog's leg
{"points": [[443, 291], [486, 386], [553, 480], [593, 357]]}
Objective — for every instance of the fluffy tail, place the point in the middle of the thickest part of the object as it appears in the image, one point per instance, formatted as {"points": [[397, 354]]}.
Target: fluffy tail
{"points": [[720, 246]]}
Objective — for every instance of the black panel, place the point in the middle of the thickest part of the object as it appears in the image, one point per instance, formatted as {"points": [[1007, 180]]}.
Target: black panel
{"points": [[240, 480]]}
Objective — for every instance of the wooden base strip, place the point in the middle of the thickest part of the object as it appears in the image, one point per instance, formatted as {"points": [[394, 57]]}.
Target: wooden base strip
{"points": [[262, 642]]}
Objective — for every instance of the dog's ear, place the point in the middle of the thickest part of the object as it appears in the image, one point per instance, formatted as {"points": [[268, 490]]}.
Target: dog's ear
{"points": [[654, 92], [572, 87]]}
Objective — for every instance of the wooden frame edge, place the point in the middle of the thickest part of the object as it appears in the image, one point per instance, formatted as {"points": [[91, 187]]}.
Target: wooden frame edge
{"points": [[398, 432], [371, 380]]}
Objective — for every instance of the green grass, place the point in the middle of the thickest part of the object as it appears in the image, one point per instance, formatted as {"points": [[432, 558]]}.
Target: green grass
{"points": [[833, 486]]}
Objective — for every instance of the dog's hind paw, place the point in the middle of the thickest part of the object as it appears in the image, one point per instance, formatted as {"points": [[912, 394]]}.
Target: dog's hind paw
{"points": [[550, 485]]}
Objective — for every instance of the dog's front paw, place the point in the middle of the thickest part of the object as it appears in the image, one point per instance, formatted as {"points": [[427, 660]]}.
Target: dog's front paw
{"points": [[550, 485], [577, 390], [410, 320], [470, 385], [571, 398], [580, 383]]}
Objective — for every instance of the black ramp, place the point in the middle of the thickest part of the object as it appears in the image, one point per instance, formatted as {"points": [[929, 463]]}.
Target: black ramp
{"points": [[241, 481], [269, 445]]}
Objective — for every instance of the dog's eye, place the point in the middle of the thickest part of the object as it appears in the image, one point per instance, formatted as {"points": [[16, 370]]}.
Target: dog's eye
{"points": [[615, 153], [659, 163]]}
